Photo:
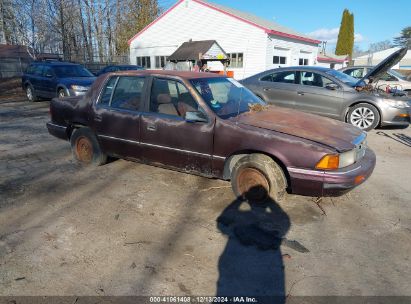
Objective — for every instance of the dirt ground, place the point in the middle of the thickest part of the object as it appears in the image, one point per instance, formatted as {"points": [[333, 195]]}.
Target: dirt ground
{"points": [[130, 229]]}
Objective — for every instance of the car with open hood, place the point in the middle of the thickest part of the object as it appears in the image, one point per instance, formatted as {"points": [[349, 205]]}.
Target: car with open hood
{"points": [[333, 94], [206, 124], [391, 81]]}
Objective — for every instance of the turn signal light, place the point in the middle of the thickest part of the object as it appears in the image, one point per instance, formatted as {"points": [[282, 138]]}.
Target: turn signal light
{"points": [[329, 162], [403, 115], [359, 179]]}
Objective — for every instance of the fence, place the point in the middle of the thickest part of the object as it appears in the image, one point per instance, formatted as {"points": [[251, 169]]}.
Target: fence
{"points": [[14, 65]]}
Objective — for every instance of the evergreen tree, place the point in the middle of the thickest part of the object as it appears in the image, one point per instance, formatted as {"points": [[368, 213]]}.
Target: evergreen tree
{"points": [[345, 42], [404, 40]]}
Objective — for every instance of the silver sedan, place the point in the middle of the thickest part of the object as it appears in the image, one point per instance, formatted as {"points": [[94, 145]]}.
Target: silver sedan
{"points": [[330, 93]]}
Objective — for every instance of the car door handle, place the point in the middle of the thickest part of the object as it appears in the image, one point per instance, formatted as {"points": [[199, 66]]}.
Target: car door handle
{"points": [[300, 93], [98, 118], [151, 128], [266, 89]]}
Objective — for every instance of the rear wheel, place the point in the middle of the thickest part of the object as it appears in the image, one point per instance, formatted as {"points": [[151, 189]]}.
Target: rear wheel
{"points": [[364, 116], [31, 95], [257, 176], [61, 93], [85, 147]]}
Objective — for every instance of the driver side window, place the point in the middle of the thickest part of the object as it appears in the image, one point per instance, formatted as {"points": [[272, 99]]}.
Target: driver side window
{"points": [[315, 80], [171, 97]]}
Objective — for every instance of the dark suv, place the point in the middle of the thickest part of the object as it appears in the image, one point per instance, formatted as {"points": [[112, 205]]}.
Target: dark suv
{"points": [[56, 78]]}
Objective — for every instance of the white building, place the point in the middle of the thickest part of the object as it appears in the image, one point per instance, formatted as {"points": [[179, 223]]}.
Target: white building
{"points": [[377, 57], [333, 62], [253, 44]]}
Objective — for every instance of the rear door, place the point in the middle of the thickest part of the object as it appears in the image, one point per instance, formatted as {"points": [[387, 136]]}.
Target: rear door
{"points": [[36, 80], [318, 94], [279, 88], [48, 82], [117, 116], [166, 137]]}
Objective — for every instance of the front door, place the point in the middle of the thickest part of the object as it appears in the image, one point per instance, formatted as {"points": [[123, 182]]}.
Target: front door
{"points": [[167, 138], [319, 95], [117, 116]]}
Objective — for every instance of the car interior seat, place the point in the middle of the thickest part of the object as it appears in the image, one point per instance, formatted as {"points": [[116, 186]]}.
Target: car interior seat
{"points": [[165, 105]]}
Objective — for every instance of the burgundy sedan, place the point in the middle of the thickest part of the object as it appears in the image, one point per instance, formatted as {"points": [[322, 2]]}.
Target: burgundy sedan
{"points": [[213, 126]]}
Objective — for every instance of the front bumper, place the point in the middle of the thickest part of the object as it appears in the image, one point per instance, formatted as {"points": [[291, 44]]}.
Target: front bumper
{"points": [[395, 117], [332, 183], [71, 92]]}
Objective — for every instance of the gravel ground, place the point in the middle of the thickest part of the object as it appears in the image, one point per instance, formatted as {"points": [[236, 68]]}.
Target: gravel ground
{"points": [[130, 229]]}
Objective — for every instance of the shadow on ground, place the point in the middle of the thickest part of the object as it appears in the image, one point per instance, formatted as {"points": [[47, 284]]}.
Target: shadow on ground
{"points": [[252, 263]]}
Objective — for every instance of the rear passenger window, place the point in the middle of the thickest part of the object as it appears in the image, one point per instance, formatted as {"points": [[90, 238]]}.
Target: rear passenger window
{"points": [[284, 77], [30, 69], [38, 70], [127, 94]]}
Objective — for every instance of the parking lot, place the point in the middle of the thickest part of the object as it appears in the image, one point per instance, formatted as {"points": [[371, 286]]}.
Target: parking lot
{"points": [[130, 229]]}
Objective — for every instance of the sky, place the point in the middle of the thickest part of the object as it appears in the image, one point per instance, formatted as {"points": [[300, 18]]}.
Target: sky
{"points": [[374, 21]]}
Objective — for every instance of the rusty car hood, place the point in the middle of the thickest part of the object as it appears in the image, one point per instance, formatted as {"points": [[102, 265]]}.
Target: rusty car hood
{"points": [[326, 131]]}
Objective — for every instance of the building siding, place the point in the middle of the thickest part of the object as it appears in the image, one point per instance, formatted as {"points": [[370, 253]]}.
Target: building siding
{"points": [[191, 20]]}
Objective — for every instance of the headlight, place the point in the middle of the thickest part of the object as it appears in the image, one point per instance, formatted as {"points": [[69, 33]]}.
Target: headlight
{"points": [[337, 161], [79, 88], [397, 103]]}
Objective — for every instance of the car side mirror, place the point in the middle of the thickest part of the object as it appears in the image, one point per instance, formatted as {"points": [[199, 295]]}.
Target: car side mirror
{"points": [[196, 116], [332, 86]]}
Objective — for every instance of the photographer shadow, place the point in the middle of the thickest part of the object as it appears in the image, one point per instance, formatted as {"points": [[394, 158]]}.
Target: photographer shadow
{"points": [[252, 263]]}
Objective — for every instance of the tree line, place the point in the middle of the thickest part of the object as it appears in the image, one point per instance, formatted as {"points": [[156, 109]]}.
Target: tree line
{"points": [[80, 30]]}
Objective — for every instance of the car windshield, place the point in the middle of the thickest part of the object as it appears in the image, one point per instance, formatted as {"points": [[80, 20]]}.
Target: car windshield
{"points": [[225, 96], [397, 74], [347, 79], [71, 71]]}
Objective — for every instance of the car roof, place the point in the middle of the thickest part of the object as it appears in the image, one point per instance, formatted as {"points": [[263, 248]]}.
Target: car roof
{"points": [[55, 63], [181, 74], [306, 68]]}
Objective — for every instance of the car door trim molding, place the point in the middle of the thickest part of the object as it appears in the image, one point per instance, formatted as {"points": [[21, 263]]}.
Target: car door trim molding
{"points": [[162, 147]]}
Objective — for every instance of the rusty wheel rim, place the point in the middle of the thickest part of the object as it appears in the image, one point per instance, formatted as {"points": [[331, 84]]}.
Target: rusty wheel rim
{"points": [[253, 184], [84, 150]]}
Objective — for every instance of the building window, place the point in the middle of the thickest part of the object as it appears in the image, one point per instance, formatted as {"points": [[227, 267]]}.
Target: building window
{"points": [[161, 61], [303, 61], [145, 62], [236, 60], [279, 60]]}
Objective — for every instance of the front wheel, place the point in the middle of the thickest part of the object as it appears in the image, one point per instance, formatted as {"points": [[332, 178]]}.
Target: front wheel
{"points": [[85, 147], [364, 116], [257, 176]]}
